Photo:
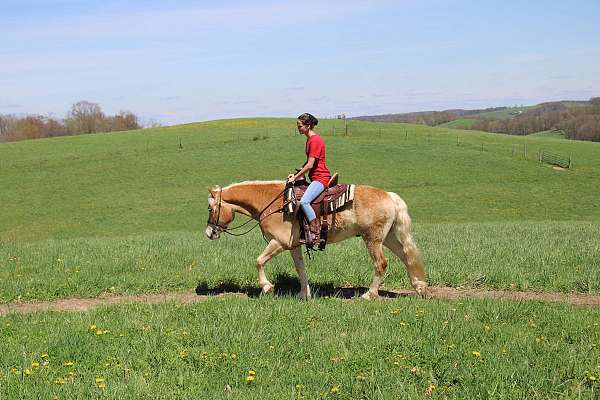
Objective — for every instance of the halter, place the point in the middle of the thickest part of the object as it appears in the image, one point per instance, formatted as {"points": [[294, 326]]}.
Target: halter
{"points": [[221, 228]]}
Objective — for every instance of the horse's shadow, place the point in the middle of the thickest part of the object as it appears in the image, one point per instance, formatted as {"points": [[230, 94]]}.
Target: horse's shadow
{"points": [[286, 285]]}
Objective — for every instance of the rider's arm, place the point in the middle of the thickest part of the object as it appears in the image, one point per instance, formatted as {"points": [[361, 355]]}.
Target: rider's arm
{"points": [[309, 164]]}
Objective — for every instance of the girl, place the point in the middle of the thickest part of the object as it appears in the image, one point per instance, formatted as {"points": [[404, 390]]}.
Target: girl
{"points": [[318, 172]]}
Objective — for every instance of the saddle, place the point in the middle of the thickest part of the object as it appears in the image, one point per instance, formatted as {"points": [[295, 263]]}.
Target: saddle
{"points": [[328, 202]]}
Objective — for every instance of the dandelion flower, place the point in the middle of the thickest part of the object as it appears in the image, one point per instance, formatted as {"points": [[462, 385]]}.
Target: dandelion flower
{"points": [[476, 353], [100, 382], [59, 381], [250, 379], [182, 354], [68, 363], [335, 389], [35, 365], [592, 378], [27, 371]]}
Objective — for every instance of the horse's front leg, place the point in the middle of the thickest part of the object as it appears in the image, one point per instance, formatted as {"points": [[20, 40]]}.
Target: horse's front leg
{"points": [[299, 263], [272, 249]]}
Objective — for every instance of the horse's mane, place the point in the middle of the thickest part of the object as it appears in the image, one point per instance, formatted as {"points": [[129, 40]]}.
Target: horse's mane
{"points": [[245, 183]]}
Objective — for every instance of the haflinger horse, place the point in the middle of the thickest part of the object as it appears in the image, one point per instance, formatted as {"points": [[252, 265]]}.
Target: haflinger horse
{"points": [[380, 218]]}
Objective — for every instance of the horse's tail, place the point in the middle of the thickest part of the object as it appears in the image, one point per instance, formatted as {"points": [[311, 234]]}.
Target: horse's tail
{"points": [[401, 229]]}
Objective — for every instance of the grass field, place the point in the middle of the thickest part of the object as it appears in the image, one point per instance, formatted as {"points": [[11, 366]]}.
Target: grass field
{"points": [[126, 212]]}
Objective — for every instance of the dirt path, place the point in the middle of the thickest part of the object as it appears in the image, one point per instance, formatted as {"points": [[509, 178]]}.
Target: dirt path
{"points": [[447, 293]]}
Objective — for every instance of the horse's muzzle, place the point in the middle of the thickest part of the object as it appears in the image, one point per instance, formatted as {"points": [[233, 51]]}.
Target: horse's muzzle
{"points": [[212, 233]]}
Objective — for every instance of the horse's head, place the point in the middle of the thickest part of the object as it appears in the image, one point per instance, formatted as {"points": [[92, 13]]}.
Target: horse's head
{"points": [[220, 215]]}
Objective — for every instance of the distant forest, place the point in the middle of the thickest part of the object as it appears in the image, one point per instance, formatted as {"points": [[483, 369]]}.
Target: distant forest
{"points": [[83, 118], [580, 121], [575, 119]]}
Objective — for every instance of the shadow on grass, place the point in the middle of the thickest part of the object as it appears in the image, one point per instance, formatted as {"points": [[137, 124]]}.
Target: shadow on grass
{"points": [[286, 285]]}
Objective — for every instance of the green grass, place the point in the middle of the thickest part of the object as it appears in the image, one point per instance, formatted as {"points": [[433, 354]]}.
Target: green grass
{"points": [[125, 213], [505, 113], [460, 123], [550, 134], [328, 348], [541, 256], [142, 182]]}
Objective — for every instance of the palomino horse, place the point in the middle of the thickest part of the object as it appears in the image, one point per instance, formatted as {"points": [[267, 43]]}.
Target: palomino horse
{"points": [[380, 217]]}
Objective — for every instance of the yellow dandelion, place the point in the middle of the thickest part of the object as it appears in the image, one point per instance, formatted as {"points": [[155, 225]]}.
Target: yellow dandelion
{"points": [[592, 378], [44, 355], [59, 381], [233, 356], [476, 353], [250, 379], [35, 365], [93, 327], [100, 382], [27, 371], [68, 363], [99, 332], [335, 389], [15, 371], [182, 354], [251, 372], [397, 363]]}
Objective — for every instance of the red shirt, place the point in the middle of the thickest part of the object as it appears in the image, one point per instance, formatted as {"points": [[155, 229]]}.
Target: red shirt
{"points": [[315, 147]]}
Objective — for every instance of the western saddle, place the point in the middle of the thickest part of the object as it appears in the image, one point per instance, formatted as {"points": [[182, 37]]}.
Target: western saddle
{"points": [[327, 203]]}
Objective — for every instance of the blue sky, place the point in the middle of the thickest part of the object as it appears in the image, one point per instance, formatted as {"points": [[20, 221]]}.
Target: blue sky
{"points": [[184, 61]]}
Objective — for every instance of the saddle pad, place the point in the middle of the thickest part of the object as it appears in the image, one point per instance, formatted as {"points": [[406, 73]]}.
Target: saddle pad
{"points": [[290, 201]]}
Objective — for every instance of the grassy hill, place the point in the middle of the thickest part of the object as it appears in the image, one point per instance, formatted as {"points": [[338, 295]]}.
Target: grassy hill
{"points": [[125, 213], [80, 199]]}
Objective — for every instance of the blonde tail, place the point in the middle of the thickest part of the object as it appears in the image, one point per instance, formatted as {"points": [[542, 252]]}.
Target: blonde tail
{"points": [[403, 246]]}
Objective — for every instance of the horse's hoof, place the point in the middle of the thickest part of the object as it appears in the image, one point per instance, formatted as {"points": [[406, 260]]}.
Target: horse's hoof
{"points": [[422, 291], [370, 295], [267, 289], [304, 295]]}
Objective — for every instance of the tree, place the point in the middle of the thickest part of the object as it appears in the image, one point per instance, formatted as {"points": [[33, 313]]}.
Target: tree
{"points": [[85, 117]]}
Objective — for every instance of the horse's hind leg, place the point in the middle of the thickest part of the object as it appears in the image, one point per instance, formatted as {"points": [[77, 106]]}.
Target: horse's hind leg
{"points": [[380, 263], [272, 249], [299, 263], [411, 258]]}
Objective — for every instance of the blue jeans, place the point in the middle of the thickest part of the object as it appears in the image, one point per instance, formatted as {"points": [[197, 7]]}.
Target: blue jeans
{"points": [[314, 189]]}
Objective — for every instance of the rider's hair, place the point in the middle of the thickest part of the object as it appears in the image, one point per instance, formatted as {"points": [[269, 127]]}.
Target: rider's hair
{"points": [[308, 119]]}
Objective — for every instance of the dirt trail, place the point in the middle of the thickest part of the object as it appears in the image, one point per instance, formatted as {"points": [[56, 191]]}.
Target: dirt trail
{"points": [[447, 293]]}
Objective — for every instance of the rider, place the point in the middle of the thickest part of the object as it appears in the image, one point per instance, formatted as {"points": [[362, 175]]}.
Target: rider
{"points": [[317, 170]]}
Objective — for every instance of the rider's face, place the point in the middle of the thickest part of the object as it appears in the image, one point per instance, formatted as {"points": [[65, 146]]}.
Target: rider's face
{"points": [[302, 129]]}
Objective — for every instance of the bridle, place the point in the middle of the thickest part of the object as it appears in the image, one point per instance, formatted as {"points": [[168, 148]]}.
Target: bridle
{"points": [[220, 228]]}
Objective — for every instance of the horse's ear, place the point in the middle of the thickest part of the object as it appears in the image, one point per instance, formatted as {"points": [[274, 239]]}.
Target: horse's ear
{"points": [[213, 190]]}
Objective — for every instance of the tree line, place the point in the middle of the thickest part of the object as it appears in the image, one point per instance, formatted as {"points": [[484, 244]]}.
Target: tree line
{"points": [[580, 121], [84, 117]]}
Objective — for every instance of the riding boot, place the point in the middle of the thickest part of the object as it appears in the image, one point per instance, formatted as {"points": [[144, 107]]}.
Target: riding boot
{"points": [[315, 231]]}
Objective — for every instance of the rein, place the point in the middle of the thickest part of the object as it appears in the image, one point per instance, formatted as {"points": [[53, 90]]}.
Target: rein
{"points": [[226, 230]]}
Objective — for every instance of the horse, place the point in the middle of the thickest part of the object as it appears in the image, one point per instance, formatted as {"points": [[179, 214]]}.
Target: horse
{"points": [[381, 218]]}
